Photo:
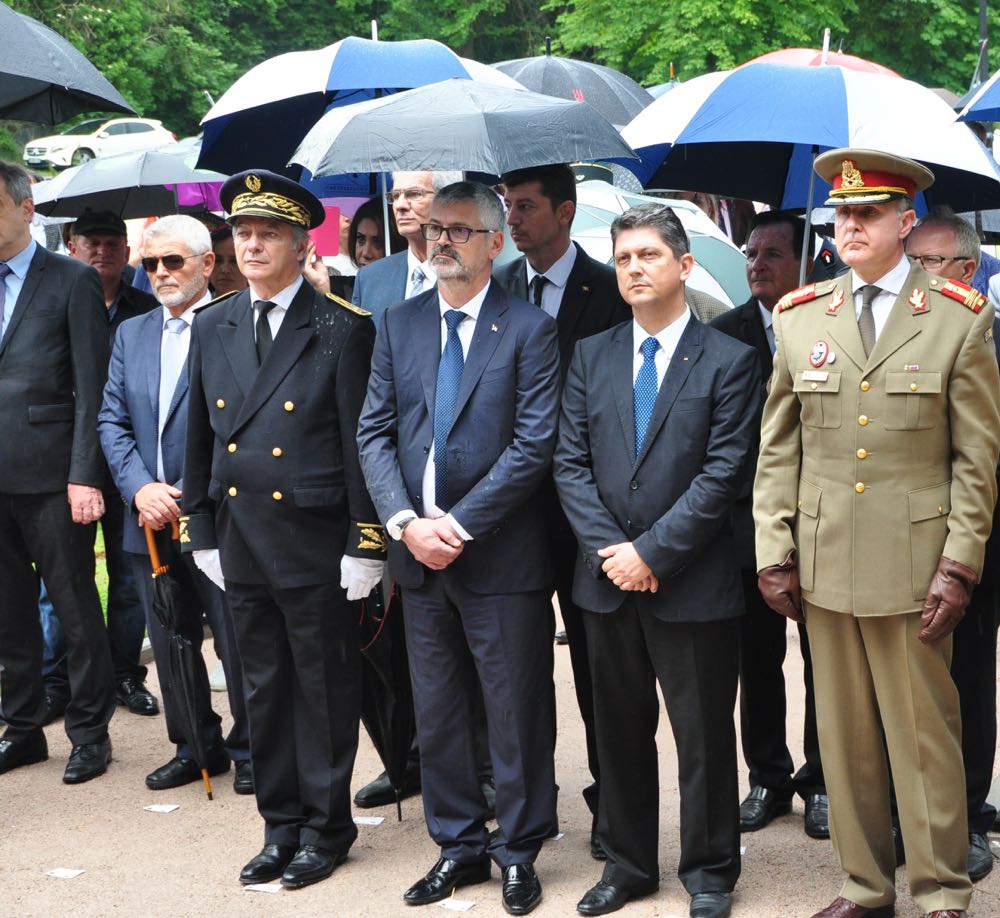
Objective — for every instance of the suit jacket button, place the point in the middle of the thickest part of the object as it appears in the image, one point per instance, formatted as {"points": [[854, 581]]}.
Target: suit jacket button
{"points": [[276, 452], [633, 485], [289, 406], [277, 495], [863, 420], [231, 447], [232, 492], [220, 403], [865, 385], [862, 453], [860, 487]]}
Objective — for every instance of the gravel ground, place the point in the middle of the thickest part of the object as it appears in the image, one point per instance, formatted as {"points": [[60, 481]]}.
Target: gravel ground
{"points": [[138, 863]]}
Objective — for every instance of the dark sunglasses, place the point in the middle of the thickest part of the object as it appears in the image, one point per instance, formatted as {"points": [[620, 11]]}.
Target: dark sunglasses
{"points": [[170, 262]]}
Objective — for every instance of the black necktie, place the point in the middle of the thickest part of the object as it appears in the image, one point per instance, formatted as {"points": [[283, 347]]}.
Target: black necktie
{"points": [[264, 338], [538, 282]]}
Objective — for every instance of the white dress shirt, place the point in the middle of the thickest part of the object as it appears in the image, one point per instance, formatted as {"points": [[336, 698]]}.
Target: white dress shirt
{"points": [[282, 300], [430, 277], [668, 338], [557, 277], [891, 284]]}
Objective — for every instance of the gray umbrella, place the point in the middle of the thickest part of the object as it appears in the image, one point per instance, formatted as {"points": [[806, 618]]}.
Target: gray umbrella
{"points": [[458, 124], [44, 78]]}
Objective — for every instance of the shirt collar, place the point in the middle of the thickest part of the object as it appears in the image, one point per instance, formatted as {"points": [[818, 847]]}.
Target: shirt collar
{"points": [[766, 316], [283, 298], [412, 262], [891, 282], [189, 313], [559, 271], [470, 308], [668, 337], [20, 263]]}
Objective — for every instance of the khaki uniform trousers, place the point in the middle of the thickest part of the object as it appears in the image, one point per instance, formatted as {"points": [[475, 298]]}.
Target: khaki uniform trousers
{"points": [[873, 673]]}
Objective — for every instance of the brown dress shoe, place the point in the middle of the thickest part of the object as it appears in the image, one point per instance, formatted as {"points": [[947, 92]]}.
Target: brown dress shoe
{"points": [[845, 908]]}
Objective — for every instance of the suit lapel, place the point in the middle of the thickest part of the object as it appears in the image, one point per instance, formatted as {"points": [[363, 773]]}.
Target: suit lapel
{"points": [[425, 336], [236, 335], [842, 325], [490, 328], [31, 281], [621, 355], [519, 287], [576, 295], [149, 354], [754, 333], [900, 327]]}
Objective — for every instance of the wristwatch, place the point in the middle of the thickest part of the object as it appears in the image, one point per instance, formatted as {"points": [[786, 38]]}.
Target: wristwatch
{"points": [[396, 529]]}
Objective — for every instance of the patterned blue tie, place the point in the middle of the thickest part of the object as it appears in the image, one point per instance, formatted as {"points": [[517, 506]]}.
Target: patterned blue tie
{"points": [[644, 393], [448, 380]]}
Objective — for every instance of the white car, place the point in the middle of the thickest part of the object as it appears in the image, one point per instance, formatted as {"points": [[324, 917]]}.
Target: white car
{"points": [[96, 137]]}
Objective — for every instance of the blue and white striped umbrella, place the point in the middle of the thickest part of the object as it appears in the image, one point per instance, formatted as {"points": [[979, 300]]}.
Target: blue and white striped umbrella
{"points": [[985, 104], [753, 133]]}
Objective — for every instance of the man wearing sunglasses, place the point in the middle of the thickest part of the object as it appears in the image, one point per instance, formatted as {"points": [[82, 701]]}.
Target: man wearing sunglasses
{"points": [[455, 439]]}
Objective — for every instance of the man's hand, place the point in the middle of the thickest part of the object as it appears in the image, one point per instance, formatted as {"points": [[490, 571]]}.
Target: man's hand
{"points": [[359, 575], [626, 570], [85, 503], [779, 585], [433, 542], [314, 271], [208, 562], [948, 595], [157, 505]]}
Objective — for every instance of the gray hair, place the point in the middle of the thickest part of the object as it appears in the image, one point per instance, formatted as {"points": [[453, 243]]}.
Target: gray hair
{"points": [[488, 205], [191, 232], [441, 180], [17, 181], [967, 243], [903, 204], [658, 217]]}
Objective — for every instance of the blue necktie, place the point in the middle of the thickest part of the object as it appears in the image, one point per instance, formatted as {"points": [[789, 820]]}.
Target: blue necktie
{"points": [[448, 380], [644, 392], [4, 271], [173, 353]]}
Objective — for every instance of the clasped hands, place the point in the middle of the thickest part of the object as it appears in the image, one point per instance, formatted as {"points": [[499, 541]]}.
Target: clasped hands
{"points": [[433, 542], [626, 570]]}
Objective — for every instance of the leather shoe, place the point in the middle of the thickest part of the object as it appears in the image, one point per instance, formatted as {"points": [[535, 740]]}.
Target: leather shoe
{"points": [[818, 816], [845, 908], [380, 793], [605, 898], [445, 876], [597, 851], [760, 807], [711, 905], [87, 761], [522, 890], [55, 707], [178, 772], [268, 865], [243, 779], [136, 697], [980, 861], [27, 751], [310, 865]]}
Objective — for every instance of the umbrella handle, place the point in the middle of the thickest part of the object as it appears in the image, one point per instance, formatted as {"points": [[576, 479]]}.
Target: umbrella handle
{"points": [[154, 552], [175, 530]]}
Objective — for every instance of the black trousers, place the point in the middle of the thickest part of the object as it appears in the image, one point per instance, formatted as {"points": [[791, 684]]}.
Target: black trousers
{"points": [[301, 656], [696, 664], [39, 528], [455, 639], [762, 702], [196, 594]]}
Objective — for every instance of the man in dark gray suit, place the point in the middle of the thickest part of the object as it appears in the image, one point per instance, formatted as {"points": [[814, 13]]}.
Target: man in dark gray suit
{"points": [[658, 417], [53, 360]]}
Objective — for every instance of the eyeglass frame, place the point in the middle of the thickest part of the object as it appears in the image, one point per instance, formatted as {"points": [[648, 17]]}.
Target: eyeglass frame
{"points": [[411, 194], [156, 259], [448, 230], [938, 260]]}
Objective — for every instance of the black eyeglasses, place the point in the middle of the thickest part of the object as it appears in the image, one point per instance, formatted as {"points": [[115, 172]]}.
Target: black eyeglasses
{"points": [[933, 262], [170, 262], [456, 234]]}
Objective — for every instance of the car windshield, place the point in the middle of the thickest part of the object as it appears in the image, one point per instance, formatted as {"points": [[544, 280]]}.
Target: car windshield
{"points": [[84, 127]]}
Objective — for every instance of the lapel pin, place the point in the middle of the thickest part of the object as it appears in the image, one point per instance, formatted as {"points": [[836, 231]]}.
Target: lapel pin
{"points": [[494, 328], [585, 289], [683, 358], [918, 300], [819, 354], [836, 302]]}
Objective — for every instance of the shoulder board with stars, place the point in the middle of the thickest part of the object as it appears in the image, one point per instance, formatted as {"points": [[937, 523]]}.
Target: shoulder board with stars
{"points": [[348, 305], [967, 296], [804, 295], [218, 299]]}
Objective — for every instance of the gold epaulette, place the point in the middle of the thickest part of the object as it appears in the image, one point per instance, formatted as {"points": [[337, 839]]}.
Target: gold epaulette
{"points": [[968, 296], [371, 536], [347, 304], [803, 295]]}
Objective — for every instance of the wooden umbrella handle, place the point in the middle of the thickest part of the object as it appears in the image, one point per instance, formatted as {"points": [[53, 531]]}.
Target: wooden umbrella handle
{"points": [[154, 552]]}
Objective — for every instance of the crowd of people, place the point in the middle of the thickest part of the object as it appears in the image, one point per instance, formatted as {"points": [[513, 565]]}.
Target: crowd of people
{"points": [[683, 478]]}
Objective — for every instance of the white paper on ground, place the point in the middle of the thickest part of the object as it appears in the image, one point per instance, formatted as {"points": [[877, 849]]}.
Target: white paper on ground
{"points": [[264, 887], [743, 849], [64, 873], [162, 807], [456, 905], [369, 820]]}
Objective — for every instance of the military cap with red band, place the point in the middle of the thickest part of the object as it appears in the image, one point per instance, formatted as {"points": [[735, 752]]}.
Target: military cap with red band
{"points": [[870, 176]]}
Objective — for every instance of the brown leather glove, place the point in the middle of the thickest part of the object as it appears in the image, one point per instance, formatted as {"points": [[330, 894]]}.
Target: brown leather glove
{"points": [[779, 585], [948, 595]]}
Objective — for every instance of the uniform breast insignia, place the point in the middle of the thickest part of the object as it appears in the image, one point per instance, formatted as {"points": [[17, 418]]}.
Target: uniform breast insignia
{"points": [[819, 354], [372, 537], [967, 296], [918, 300], [348, 305], [797, 297], [184, 537], [836, 302]]}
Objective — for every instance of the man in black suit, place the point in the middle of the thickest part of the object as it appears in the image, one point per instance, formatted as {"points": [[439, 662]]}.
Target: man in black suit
{"points": [[582, 296], [273, 493], [456, 439], [53, 361], [658, 418], [773, 253]]}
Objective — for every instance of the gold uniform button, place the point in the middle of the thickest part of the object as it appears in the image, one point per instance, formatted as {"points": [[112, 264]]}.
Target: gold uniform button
{"points": [[289, 406], [232, 492], [277, 495], [865, 385], [940, 509], [913, 387], [863, 420], [860, 487], [862, 454], [814, 386], [220, 403], [276, 452], [231, 447]]}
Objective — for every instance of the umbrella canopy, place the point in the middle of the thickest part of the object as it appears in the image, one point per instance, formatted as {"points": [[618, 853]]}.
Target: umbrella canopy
{"points": [[985, 103], [144, 184], [458, 124], [617, 97], [292, 91], [753, 133], [44, 78], [811, 57]]}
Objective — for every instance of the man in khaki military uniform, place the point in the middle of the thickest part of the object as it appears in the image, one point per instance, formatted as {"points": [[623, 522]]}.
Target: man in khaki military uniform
{"points": [[872, 503]]}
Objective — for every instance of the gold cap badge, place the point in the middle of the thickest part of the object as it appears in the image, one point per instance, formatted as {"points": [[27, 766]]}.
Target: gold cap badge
{"points": [[253, 183]]}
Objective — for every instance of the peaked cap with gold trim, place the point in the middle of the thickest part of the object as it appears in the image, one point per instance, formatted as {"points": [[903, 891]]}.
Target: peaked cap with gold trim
{"points": [[869, 176], [259, 193]]}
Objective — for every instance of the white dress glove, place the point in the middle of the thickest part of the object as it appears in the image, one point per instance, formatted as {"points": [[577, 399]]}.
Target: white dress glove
{"points": [[207, 561], [359, 575]]}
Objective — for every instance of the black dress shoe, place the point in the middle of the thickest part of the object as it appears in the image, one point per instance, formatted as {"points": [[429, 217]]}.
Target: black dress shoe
{"points": [[818, 816], [178, 772], [597, 851], [87, 761], [380, 793], [445, 876], [711, 905], [760, 807], [136, 697], [980, 861], [310, 865], [522, 890], [55, 707], [268, 865], [26, 751], [243, 779], [605, 898]]}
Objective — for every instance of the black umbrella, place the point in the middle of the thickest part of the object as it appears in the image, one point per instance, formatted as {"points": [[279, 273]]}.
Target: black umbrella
{"points": [[188, 680], [386, 692], [618, 97]]}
